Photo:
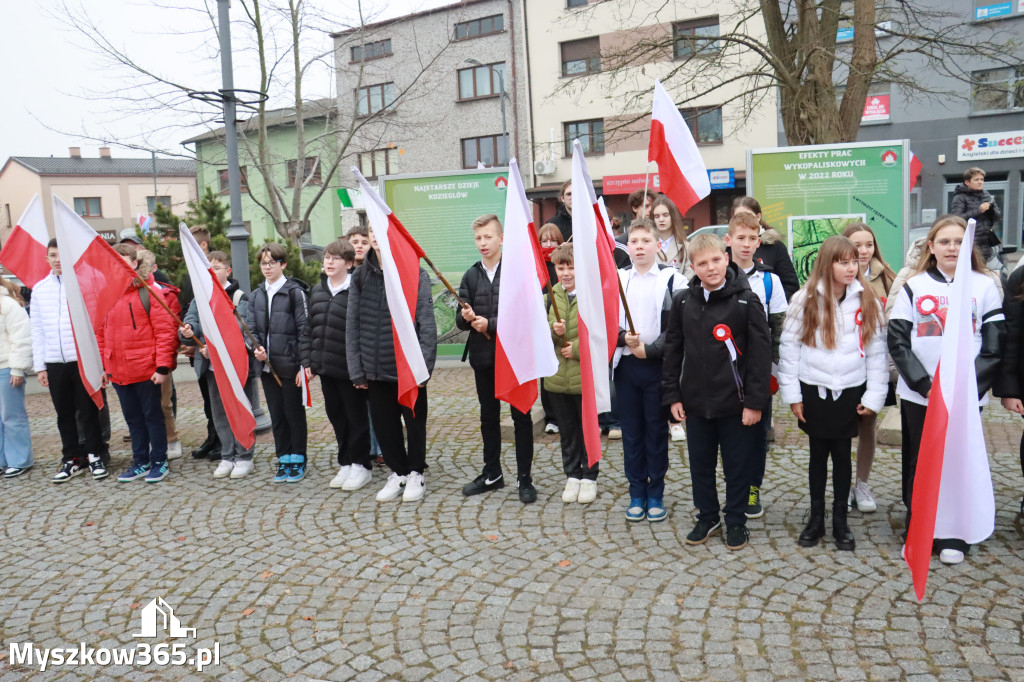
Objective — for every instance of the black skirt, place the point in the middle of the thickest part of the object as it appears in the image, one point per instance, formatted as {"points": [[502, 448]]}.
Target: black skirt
{"points": [[830, 418]]}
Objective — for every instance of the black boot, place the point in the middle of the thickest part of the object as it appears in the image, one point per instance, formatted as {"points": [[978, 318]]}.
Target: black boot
{"points": [[840, 530], [815, 529], [527, 493], [209, 449]]}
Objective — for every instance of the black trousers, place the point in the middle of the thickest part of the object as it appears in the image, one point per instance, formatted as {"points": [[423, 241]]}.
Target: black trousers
{"points": [[287, 414], [388, 415], [842, 469], [739, 443], [70, 397], [204, 389], [346, 409], [490, 428], [569, 415]]}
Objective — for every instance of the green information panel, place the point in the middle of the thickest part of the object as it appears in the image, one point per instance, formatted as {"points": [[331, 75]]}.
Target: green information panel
{"points": [[810, 193], [438, 210]]}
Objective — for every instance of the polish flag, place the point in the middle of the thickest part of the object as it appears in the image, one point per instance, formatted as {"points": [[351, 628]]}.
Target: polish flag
{"points": [[223, 338], [915, 170], [400, 260], [953, 496], [24, 252], [523, 350], [684, 178], [597, 300], [95, 276], [307, 395]]}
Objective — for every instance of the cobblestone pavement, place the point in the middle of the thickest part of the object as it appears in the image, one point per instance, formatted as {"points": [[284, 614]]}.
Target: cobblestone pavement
{"points": [[307, 582]]}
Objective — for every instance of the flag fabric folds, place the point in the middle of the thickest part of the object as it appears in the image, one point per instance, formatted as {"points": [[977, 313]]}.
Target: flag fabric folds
{"points": [[953, 495], [597, 300], [223, 339], [915, 170], [307, 395], [24, 252], [684, 177], [400, 261], [523, 348], [95, 276]]}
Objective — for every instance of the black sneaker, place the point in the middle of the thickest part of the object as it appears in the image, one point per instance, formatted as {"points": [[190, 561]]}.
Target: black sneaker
{"points": [[702, 531], [527, 493], [483, 484], [754, 508], [68, 470], [99, 471], [736, 536]]}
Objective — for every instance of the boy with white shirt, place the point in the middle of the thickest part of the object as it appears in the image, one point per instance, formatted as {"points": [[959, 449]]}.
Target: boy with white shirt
{"points": [[649, 288], [743, 239]]}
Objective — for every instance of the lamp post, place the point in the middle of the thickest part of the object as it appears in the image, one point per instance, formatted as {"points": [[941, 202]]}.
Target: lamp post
{"points": [[501, 87]]}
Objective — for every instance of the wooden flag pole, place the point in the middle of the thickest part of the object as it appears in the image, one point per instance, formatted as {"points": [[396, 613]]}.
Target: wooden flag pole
{"points": [[449, 287], [153, 295], [643, 200], [558, 316], [255, 343], [625, 306]]}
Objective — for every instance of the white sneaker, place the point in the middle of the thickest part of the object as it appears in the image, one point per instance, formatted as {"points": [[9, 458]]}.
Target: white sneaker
{"points": [[551, 428], [572, 490], [243, 467], [391, 489], [343, 474], [174, 450], [862, 494], [588, 491], [614, 434], [357, 478], [224, 469], [678, 432], [415, 487], [951, 556]]}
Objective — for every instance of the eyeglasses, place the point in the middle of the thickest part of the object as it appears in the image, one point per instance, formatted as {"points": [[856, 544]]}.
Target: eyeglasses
{"points": [[268, 263]]}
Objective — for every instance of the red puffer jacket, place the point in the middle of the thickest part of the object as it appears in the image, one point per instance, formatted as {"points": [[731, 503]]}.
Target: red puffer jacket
{"points": [[134, 345]]}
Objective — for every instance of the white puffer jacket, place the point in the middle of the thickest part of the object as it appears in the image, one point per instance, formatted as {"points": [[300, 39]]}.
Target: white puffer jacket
{"points": [[839, 368], [52, 338], [15, 337]]}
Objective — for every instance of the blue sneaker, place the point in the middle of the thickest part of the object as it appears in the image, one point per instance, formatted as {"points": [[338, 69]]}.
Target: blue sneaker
{"points": [[297, 469], [284, 463], [134, 472], [637, 509], [158, 472], [656, 510]]}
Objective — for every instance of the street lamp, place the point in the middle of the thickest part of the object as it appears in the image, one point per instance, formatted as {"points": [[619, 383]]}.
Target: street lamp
{"points": [[501, 86]]}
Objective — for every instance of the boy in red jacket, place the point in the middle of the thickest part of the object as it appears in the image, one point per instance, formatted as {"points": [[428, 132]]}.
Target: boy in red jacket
{"points": [[138, 343]]}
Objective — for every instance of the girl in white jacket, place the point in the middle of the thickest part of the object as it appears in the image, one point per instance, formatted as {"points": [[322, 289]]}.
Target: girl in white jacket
{"points": [[832, 369], [15, 360]]}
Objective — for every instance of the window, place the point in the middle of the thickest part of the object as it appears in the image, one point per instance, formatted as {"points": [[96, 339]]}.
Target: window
{"points": [[481, 81], [998, 89], [575, 3], [374, 98], [151, 203], [223, 177], [479, 27], [380, 48], [589, 133], [489, 150], [581, 56], [88, 207], [310, 168], [705, 124], [375, 163], [696, 37]]}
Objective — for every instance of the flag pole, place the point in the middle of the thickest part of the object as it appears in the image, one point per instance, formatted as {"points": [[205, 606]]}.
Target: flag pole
{"points": [[153, 295], [554, 307], [444, 281], [255, 343], [643, 201], [625, 306]]}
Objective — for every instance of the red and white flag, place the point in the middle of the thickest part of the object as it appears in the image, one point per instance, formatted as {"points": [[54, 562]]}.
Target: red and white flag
{"points": [[24, 252], [523, 348], [953, 496], [400, 261], [223, 339], [95, 277], [684, 177], [915, 170], [597, 300], [307, 395]]}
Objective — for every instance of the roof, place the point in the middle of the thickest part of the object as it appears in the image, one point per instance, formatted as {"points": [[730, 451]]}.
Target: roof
{"points": [[317, 108], [406, 17], [58, 165]]}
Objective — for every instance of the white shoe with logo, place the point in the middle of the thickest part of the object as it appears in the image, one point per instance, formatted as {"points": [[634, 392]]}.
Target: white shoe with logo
{"points": [[415, 487], [392, 489]]}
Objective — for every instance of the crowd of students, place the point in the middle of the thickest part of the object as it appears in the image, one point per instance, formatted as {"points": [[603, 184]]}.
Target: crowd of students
{"points": [[717, 328]]}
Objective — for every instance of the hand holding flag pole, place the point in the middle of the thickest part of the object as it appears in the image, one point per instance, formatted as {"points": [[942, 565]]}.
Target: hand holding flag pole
{"points": [[558, 315]]}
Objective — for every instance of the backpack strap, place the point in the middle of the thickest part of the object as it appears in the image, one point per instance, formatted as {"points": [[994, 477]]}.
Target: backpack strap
{"points": [[237, 296], [144, 297]]}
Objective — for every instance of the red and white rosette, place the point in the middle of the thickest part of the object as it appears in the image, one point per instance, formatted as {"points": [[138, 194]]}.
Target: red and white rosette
{"points": [[722, 333], [927, 305], [858, 319]]}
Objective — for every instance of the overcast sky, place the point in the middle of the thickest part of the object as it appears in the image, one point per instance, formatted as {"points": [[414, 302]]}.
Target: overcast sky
{"points": [[57, 90]]}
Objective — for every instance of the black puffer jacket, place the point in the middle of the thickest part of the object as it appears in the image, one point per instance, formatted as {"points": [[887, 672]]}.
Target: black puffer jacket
{"points": [[967, 203], [326, 331], [482, 296], [563, 221], [1009, 381], [773, 254], [285, 323], [370, 343], [704, 383]]}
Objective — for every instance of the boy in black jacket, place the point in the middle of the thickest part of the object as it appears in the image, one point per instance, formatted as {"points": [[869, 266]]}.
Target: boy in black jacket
{"points": [[479, 289], [345, 404], [721, 389]]}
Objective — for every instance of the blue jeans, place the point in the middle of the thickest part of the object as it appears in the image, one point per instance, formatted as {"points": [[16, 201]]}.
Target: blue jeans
{"points": [[140, 404], [15, 439], [644, 426]]}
